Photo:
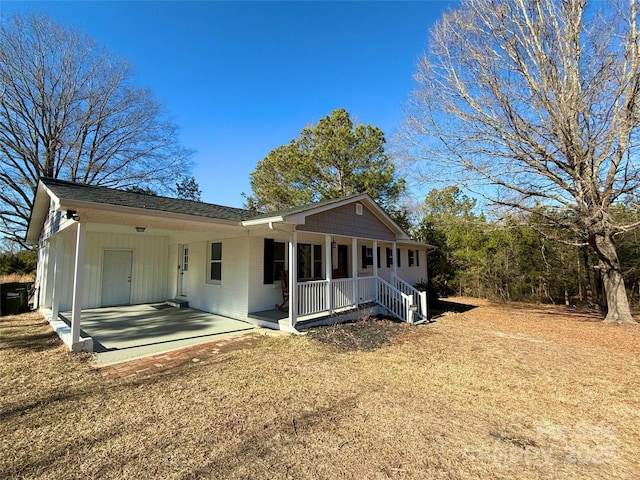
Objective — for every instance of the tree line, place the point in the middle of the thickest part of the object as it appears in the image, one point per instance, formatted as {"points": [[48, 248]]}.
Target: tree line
{"points": [[514, 258]]}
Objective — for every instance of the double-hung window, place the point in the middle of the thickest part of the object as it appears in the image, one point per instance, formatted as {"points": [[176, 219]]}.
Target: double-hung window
{"points": [[309, 261], [274, 260], [215, 263], [414, 258]]}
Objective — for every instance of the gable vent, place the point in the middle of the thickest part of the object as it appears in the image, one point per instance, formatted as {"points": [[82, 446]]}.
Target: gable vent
{"points": [[358, 209]]}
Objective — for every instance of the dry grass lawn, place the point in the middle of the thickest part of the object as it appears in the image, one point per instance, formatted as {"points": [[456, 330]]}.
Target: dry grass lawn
{"points": [[497, 392]]}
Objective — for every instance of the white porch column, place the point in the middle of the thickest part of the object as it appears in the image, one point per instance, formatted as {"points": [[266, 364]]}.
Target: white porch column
{"points": [[354, 270], [394, 253], [40, 275], [328, 264], [293, 278], [47, 275], [57, 279], [77, 285], [375, 258]]}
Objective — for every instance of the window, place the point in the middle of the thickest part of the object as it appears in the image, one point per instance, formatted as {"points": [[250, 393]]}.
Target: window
{"points": [[309, 261], [274, 260], [367, 256], [389, 257], [215, 266], [414, 258], [185, 258]]}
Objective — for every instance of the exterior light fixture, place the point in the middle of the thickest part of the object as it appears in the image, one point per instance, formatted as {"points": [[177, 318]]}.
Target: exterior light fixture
{"points": [[140, 229], [72, 214]]}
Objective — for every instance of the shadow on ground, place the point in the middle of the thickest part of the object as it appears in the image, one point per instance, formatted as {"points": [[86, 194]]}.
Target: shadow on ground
{"points": [[437, 309]]}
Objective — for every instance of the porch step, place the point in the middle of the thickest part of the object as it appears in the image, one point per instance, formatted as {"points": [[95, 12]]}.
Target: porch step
{"points": [[178, 303]]}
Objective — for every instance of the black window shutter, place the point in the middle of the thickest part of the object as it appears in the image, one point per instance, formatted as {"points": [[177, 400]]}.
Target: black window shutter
{"points": [[268, 260], [364, 256], [418, 258], [398, 257], [378, 257]]}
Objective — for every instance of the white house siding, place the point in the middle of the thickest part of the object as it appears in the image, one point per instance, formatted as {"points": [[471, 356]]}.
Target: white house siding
{"points": [[148, 270], [409, 274], [230, 296], [173, 271], [414, 273], [261, 297]]}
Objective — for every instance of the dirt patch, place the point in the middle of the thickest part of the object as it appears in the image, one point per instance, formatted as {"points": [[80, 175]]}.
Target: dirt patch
{"points": [[367, 334]]}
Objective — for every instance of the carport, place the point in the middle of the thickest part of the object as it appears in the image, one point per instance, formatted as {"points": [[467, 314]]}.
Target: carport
{"points": [[132, 331]]}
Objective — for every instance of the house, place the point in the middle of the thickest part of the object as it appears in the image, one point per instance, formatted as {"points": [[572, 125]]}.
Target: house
{"points": [[102, 247]]}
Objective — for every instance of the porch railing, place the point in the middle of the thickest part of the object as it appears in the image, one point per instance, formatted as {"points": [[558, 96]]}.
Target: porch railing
{"points": [[397, 302], [312, 297], [342, 293], [419, 298], [320, 297]]}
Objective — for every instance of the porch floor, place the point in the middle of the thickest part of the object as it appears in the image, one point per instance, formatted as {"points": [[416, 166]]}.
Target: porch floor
{"points": [[278, 317], [132, 331]]}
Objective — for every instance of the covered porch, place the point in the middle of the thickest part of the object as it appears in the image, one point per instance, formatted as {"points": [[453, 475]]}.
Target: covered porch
{"points": [[132, 331], [325, 277]]}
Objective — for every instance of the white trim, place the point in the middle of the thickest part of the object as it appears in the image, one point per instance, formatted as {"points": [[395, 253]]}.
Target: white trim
{"points": [[354, 265], [293, 275], [57, 278], [328, 263], [78, 277], [210, 261], [261, 221]]}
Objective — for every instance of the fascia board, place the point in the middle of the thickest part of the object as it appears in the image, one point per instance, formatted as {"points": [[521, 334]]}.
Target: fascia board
{"points": [[262, 221], [79, 204]]}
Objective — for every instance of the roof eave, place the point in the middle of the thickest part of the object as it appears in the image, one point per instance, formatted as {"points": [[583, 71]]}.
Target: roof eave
{"points": [[148, 212]]}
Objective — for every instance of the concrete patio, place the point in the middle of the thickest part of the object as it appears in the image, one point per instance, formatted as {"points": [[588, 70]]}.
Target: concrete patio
{"points": [[133, 331]]}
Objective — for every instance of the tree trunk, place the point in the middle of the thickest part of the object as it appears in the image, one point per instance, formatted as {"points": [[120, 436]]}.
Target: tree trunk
{"points": [[618, 310]]}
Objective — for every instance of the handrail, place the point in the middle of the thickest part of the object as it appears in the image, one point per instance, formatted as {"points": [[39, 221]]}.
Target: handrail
{"points": [[401, 299], [394, 300], [419, 298]]}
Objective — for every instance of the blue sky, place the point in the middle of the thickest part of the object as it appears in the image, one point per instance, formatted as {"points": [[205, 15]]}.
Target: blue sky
{"points": [[242, 78]]}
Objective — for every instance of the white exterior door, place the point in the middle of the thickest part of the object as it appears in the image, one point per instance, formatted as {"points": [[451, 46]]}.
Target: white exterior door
{"points": [[184, 270], [116, 277]]}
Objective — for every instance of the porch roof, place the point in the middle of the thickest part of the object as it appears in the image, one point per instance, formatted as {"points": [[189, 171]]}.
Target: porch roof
{"points": [[70, 195]]}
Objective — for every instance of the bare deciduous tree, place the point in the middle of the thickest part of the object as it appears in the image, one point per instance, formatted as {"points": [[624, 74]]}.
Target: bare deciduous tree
{"points": [[538, 99], [68, 110]]}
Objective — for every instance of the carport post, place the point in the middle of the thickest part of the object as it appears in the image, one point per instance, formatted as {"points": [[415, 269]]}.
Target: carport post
{"points": [[57, 278], [77, 287]]}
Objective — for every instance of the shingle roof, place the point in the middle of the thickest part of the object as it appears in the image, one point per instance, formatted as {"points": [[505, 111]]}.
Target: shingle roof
{"points": [[302, 208], [110, 196]]}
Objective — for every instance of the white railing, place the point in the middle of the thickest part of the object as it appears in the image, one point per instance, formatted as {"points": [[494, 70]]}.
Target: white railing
{"points": [[319, 296], [419, 298], [342, 293], [398, 303], [367, 289], [312, 297]]}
